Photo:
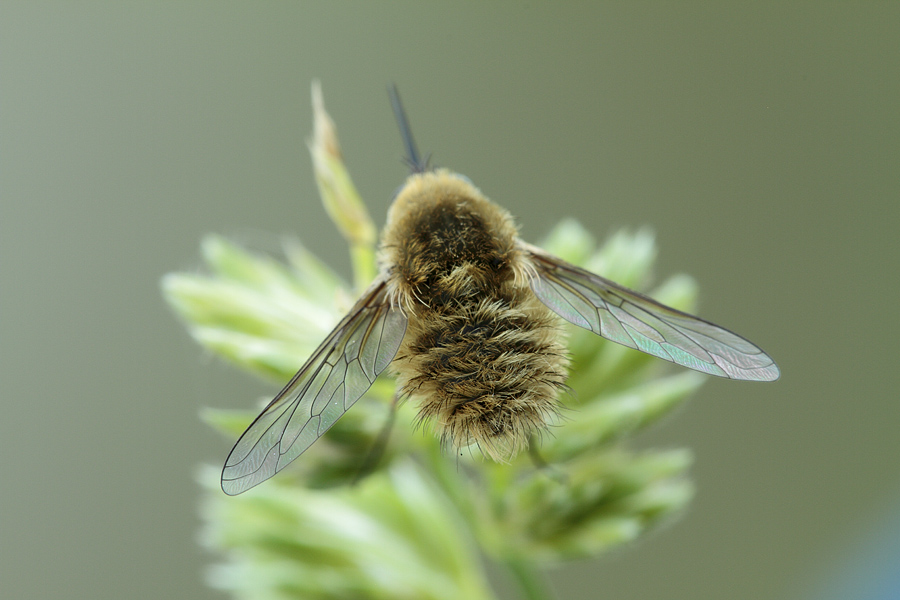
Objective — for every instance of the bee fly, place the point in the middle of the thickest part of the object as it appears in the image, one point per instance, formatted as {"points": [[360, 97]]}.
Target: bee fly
{"points": [[465, 314]]}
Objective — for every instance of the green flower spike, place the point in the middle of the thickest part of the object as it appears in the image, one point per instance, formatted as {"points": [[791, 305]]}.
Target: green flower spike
{"points": [[342, 202], [333, 526]]}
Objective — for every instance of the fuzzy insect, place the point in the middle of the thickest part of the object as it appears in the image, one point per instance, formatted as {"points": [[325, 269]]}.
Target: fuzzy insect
{"points": [[465, 314]]}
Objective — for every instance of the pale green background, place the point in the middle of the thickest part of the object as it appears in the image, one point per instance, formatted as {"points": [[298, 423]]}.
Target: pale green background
{"points": [[759, 140]]}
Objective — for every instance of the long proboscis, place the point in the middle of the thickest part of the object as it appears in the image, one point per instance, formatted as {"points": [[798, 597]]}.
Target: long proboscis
{"points": [[416, 163]]}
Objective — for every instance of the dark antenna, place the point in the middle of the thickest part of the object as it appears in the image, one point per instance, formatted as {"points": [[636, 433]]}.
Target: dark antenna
{"points": [[412, 153]]}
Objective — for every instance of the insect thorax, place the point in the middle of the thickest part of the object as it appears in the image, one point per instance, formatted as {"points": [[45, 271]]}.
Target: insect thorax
{"points": [[444, 235]]}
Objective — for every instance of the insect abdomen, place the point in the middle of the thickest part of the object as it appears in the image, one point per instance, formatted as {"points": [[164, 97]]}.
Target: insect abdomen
{"points": [[486, 371]]}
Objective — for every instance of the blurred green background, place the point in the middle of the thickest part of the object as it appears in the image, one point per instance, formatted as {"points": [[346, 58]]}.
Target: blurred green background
{"points": [[760, 141]]}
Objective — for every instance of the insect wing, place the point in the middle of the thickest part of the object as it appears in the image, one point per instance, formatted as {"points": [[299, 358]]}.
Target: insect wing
{"points": [[338, 373], [634, 320]]}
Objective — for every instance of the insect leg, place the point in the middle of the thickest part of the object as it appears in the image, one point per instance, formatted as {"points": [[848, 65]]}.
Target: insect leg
{"points": [[376, 452]]}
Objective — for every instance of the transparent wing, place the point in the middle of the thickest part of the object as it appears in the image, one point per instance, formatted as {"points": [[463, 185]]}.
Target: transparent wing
{"points": [[634, 320], [338, 373]]}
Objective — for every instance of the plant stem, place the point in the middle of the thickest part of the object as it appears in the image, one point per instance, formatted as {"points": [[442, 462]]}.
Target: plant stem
{"points": [[533, 584], [362, 258]]}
